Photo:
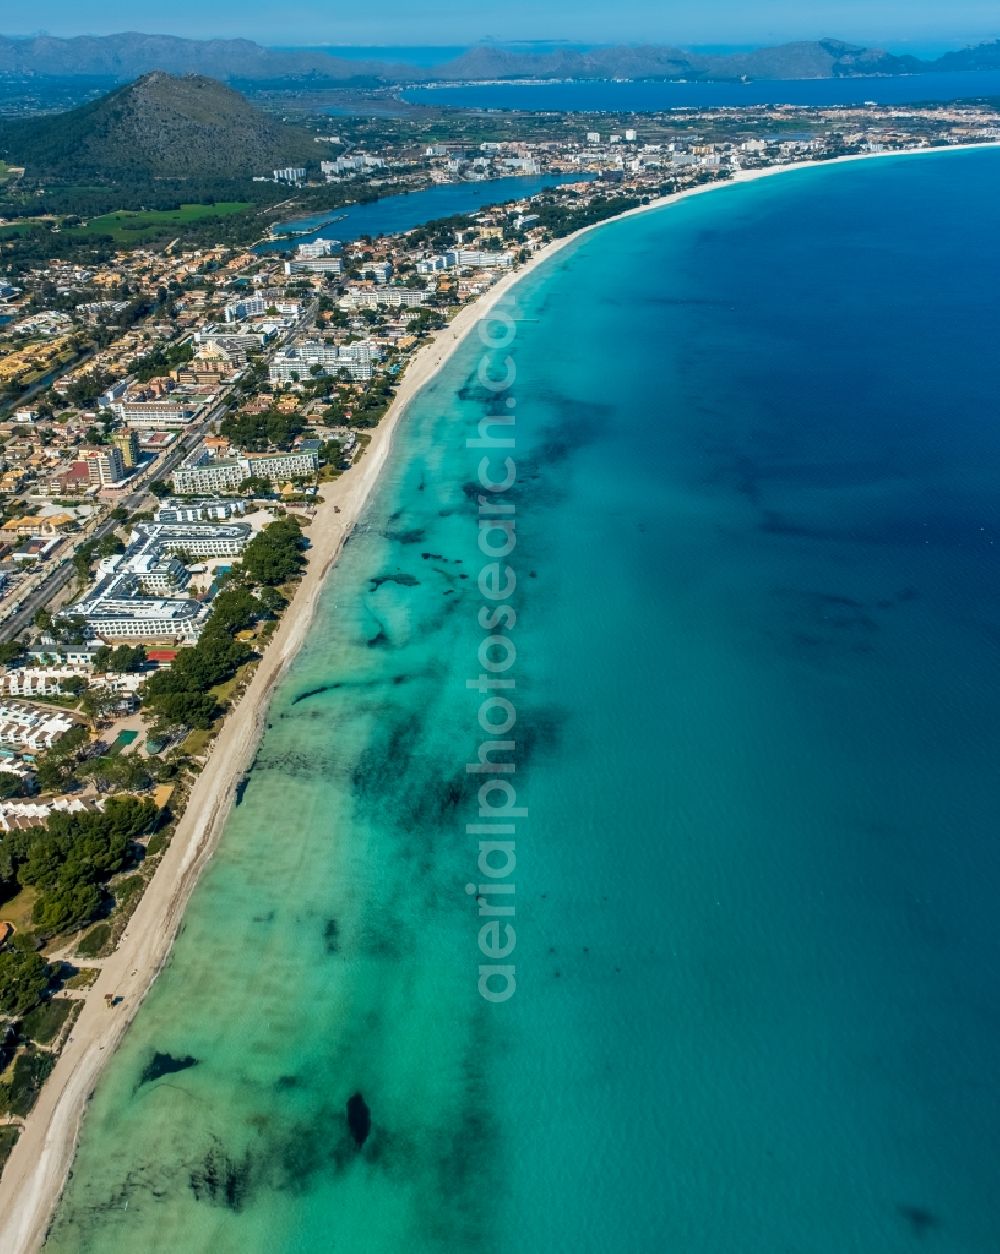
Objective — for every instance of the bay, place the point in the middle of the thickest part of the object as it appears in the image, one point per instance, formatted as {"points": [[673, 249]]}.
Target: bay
{"points": [[757, 731], [651, 97]]}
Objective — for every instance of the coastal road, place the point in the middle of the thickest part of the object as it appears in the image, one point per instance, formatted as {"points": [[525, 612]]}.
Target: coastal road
{"points": [[62, 573], [160, 469]]}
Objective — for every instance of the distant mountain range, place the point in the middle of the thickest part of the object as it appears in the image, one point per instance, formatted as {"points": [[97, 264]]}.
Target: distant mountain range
{"points": [[158, 126], [127, 55]]}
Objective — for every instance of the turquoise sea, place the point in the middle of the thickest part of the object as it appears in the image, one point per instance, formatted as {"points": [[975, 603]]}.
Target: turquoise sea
{"points": [[758, 728]]}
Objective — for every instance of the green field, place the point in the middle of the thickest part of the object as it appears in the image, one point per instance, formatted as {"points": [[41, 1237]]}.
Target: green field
{"points": [[131, 226], [10, 229]]}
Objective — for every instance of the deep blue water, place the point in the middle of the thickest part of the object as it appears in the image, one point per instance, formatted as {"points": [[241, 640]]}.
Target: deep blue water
{"points": [[758, 734], [652, 97], [412, 209]]}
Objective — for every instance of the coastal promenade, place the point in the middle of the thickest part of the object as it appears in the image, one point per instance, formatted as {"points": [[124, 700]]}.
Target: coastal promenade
{"points": [[37, 1168]]}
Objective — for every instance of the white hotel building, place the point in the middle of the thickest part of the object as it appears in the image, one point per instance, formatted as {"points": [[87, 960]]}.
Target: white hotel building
{"points": [[472, 257], [295, 363], [135, 597], [200, 474], [207, 540], [116, 609], [389, 297]]}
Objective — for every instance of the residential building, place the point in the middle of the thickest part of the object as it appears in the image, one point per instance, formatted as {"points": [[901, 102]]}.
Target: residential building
{"points": [[174, 511], [159, 572], [389, 297], [281, 466], [356, 163], [52, 680], [314, 265], [143, 414], [37, 525], [302, 359], [455, 257], [117, 609], [105, 465], [235, 344], [245, 307], [23, 727], [127, 444], [114, 393], [380, 271], [20, 815], [196, 539], [49, 653], [201, 475], [316, 247], [256, 306]]}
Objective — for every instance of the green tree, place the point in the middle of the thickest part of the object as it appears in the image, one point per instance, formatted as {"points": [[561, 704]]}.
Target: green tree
{"points": [[11, 651], [72, 629], [117, 773], [52, 774], [110, 545], [235, 609], [66, 906], [24, 977], [124, 660], [11, 785], [256, 485], [188, 709], [98, 703], [272, 600], [275, 555]]}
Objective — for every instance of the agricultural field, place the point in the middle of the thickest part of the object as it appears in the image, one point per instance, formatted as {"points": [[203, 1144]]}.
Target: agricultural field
{"points": [[20, 226], [9, 229], [133, 226]]}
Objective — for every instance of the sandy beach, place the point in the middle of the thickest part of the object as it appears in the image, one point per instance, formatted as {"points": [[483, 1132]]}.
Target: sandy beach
{"points": [[37, 1168]]}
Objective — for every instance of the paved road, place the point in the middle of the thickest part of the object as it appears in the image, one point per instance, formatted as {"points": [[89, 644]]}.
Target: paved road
{"points": [[162, 468], [61, 574]]}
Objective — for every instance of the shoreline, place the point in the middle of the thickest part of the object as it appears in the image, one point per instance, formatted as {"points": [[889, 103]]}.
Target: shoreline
{"points": [[38, 1166]]}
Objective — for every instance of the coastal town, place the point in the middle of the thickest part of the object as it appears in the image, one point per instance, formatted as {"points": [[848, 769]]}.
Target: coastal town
{"points": [[185, 433]]}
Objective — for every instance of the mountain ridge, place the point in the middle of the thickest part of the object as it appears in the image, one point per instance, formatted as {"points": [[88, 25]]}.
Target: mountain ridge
{"points": [[131, 54]]}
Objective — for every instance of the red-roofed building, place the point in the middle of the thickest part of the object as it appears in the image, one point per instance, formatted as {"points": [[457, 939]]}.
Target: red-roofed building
{"points": [[76, 477], [161, 657]]}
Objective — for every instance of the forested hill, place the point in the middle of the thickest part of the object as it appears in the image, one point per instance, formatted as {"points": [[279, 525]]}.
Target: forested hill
{"points": [[160, 126]]}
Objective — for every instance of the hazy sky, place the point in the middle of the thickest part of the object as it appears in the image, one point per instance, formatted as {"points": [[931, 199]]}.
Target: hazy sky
{"points": [[447, 22]]}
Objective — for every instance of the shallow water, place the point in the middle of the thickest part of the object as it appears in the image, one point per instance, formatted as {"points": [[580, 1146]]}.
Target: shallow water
{"points": [[756, 1008]]}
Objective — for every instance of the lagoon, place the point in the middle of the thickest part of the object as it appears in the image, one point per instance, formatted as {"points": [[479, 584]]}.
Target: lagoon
{"points": [[407, 210]]}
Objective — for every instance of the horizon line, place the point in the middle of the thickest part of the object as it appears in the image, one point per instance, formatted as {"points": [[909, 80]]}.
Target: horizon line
{"points": [[569, 41]]}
